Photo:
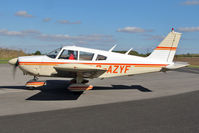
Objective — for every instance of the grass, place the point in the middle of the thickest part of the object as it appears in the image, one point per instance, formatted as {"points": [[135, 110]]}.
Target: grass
{"points": [[4, 60], [193, 66]]}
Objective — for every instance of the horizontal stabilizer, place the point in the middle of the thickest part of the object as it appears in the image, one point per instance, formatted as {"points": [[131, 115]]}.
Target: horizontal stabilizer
{"points": [[176, 65]]}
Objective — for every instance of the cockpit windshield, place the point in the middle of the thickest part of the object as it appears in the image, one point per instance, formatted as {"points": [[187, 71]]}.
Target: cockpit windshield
{"points": [[54, 53]]}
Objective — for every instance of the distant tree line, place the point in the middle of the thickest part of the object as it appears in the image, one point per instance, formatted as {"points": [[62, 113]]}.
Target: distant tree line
{"points": [[6, 53], [9, 53], [187, 55], [147, 54], [37, 52], [133, 52]]}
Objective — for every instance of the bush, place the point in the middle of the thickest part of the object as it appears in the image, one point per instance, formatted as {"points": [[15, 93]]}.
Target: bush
{"points": [[37, 53]]}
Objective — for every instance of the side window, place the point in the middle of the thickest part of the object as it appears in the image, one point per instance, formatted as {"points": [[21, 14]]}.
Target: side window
{"points": [[101, 57], [68, 54], [85, 56]]}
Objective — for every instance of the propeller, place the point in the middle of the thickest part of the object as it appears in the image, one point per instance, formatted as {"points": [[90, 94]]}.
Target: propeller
{"points": [[15, 64]]}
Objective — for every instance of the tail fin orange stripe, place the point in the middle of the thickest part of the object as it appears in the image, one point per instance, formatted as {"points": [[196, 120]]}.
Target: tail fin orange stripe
{"points": [[166, 48]]}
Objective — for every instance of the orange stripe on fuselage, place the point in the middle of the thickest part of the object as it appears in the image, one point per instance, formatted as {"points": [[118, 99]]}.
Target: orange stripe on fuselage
{"points": [[57, 63], [166, 48]]}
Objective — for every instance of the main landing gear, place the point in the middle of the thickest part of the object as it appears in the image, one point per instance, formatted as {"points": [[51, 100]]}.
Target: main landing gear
{"points": [[79, 84]]}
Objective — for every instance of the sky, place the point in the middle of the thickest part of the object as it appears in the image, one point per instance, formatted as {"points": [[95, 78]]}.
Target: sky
{"points": [[45, 25]]}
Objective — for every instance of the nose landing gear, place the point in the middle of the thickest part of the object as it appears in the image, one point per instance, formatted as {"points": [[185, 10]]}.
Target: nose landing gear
{"points": [[33, 83], [35, 78]]}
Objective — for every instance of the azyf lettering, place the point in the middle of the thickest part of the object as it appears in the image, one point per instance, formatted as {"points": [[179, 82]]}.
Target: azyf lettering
{"points": [[118, 68]]}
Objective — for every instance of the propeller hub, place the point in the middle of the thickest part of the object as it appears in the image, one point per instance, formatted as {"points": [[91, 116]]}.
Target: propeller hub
{"points": [[13, 61]]}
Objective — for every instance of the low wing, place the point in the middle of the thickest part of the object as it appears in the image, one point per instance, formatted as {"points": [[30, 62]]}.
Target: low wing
{"points": [[72, 70]]}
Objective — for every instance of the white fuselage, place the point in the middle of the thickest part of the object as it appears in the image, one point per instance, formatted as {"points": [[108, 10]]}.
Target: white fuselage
{"points": [[116, 64]]}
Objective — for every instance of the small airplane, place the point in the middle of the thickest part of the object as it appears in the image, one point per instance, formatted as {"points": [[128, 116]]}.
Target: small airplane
{"points": [[81, 63]]}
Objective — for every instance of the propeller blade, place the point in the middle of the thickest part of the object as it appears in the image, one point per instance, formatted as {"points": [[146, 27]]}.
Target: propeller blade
{"points": [[14, 71], [15, 64]]}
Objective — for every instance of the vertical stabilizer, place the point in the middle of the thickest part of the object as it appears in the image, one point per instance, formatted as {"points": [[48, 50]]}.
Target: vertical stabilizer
{"points": [[167, 48]]}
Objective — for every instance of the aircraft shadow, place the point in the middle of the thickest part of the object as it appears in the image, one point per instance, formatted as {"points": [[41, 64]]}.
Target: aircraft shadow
{"points": [[56, 90], [187, 70], [53, 91], [55, 95], [122, 87]]}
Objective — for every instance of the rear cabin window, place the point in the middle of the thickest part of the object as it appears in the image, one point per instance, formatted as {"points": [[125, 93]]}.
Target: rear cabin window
{"points": [[101, 57], [68, 54], [85, 56]]}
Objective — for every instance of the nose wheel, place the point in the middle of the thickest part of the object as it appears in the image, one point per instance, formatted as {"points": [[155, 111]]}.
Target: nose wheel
{"points": [[35, 83]]}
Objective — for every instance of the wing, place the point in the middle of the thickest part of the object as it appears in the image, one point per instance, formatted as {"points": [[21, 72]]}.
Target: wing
{"points": [[71, 70]]}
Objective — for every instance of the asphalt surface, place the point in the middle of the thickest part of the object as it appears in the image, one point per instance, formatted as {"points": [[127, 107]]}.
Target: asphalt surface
{"points": [[173, 114], [16, 99], [155, 102]]}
